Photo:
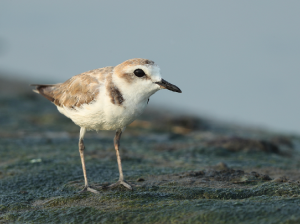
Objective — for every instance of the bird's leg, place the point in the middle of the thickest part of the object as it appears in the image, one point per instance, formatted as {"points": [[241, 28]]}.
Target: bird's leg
{"points": [[121, 177], [81, 151]]}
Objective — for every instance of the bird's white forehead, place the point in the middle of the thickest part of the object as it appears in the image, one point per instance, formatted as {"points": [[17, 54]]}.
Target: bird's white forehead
{"points": [[152, 71]]}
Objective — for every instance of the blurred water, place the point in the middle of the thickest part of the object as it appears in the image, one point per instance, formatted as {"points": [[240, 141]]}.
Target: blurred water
{"points": [[235, 60]]}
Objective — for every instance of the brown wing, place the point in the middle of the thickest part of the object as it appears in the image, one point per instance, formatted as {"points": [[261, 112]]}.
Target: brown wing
{"points": [[78, 90]]}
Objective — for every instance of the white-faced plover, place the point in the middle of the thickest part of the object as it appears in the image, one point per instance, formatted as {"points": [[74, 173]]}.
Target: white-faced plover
{"points": [[107, 98]]}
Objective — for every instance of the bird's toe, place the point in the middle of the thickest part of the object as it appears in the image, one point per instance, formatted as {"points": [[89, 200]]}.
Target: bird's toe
{"points": [[87, 188]]}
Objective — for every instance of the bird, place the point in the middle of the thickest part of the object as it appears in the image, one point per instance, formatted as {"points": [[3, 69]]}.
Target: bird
{"points": [[108, 98]]}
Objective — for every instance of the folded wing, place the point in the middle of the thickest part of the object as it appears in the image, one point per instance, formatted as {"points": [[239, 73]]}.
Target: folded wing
{"points": [[78, 90]]}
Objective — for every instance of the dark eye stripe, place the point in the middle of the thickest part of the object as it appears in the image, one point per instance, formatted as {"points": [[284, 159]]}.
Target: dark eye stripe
{"points": [[139, 72]]}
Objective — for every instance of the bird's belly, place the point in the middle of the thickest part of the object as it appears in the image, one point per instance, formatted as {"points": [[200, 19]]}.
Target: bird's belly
{"points": [[121, 117], [104, 116]]}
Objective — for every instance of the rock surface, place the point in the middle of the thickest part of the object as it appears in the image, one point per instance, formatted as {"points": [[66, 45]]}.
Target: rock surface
{"points": [[189, 170]]}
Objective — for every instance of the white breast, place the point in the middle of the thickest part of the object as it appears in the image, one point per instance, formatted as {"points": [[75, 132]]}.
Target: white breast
{"points": [[102, 114]]}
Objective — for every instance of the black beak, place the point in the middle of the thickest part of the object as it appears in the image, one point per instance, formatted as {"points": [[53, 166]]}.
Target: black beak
{"points": [[166, 85]]}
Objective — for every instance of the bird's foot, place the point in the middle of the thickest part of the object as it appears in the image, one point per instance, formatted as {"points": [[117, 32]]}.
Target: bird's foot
{"points": [[87, 188], [122, 182]]}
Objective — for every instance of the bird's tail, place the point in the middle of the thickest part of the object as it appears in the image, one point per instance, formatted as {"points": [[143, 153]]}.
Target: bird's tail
{"points": [[43, 89]]}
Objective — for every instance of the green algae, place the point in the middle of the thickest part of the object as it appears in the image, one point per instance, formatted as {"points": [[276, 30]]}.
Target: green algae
{"points": [[184, 211], [40, 172]]}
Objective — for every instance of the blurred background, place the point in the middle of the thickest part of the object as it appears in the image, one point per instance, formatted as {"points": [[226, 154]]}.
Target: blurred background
{"points": [[237, 61]]}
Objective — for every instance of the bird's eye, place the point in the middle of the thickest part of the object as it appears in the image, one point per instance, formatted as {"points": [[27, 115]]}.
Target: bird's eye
{"points": [[139, 72]]}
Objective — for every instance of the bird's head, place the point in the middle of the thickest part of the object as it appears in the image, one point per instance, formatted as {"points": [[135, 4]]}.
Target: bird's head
{"points": [[141, 77]]}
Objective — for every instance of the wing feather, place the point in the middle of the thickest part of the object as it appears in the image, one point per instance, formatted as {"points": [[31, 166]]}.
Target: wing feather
{"points": [[78, 90]]}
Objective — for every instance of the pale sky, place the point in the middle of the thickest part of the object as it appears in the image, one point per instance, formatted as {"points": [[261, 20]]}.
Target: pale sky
{"points": [[234, 60]]}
